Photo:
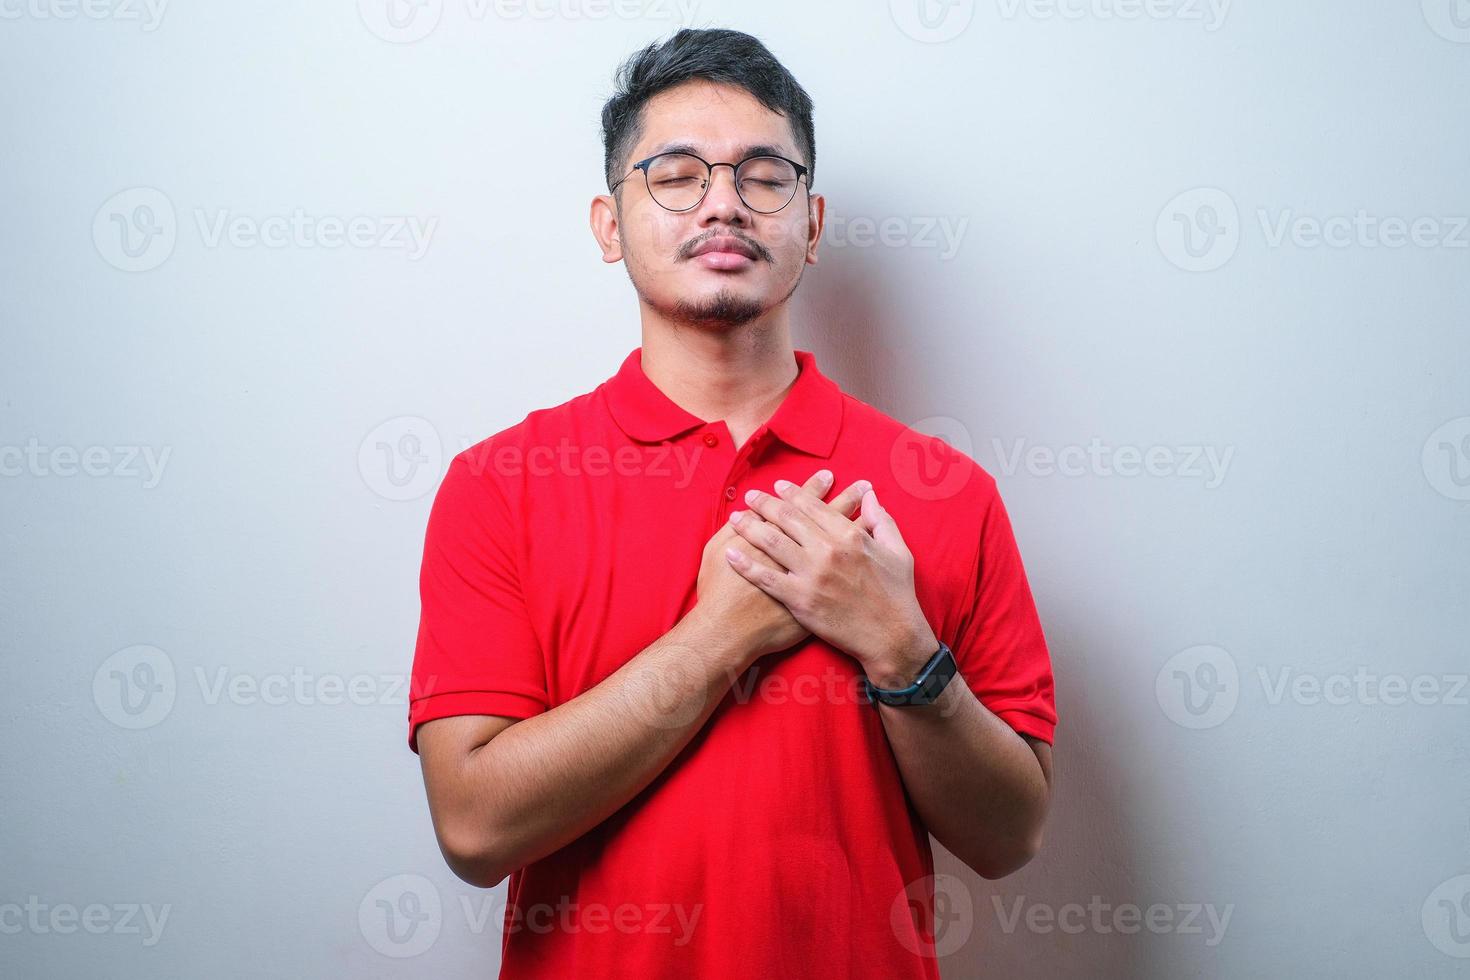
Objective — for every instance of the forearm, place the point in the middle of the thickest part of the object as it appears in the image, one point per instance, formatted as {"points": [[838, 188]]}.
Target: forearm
{"points": [[976, 783], [547, 780]]}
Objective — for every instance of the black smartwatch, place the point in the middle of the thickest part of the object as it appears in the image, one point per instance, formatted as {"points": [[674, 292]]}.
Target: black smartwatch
{"points": [[925, 690]]}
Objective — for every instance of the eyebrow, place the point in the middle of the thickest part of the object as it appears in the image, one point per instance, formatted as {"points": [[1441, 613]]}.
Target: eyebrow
{"points": [[754, 150]]}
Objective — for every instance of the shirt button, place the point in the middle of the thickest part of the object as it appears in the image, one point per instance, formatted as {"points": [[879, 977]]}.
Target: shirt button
{"points": [[729, 493], [710, 439]]}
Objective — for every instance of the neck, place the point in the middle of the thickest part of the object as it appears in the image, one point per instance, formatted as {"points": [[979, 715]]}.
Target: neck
{"points": [[739, 375]]}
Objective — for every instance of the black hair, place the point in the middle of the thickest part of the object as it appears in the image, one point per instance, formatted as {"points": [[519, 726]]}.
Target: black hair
{"points": [[715, 55]]}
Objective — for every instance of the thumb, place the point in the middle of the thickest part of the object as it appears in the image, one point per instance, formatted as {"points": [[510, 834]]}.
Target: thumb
{"points": [[876, 520]]}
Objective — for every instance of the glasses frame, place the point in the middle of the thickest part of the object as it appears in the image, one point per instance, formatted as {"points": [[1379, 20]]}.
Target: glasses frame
{"points": [[709, 178]]}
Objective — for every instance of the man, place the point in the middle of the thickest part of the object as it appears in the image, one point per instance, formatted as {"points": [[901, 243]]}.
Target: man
{"points": [[642, 679]]}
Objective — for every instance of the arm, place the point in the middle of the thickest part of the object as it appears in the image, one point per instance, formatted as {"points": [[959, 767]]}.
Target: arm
{"points": [[977, 784], [504, 793], [980, 788]]}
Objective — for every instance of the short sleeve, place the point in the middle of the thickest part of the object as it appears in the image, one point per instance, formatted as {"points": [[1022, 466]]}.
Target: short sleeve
{"points": [[476, 652], [1001, 651]]}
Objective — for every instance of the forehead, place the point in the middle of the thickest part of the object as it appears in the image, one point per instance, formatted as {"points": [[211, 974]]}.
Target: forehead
{"points": [[718, 122]]}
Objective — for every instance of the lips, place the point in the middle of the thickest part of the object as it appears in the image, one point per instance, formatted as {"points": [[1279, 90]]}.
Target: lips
{"points": [[725, 243]]}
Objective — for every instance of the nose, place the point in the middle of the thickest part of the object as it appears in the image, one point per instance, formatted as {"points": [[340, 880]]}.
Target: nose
{"points": [[721, 199]]}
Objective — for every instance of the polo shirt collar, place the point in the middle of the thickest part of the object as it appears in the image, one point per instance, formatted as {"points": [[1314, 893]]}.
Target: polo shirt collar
{"points": [[807, 419]]}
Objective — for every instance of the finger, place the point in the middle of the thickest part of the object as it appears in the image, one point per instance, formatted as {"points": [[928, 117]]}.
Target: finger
{"points": [[774, 582], [787, 512], [877, 521], [848, 501], [825, 518], [766, 537]]}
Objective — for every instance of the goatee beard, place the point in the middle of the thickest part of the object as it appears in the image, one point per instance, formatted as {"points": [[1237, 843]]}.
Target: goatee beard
{"points": [[723, 309]]}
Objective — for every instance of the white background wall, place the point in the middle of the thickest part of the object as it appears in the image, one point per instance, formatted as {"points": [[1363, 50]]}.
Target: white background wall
{"points": [[1131, 202]]}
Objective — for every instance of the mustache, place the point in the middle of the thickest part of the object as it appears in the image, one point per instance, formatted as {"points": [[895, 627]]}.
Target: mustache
{"points": [[686, 251]]}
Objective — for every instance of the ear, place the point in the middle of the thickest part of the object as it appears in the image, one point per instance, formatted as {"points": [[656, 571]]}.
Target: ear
{"points": [[605, 227], [816, 214]]}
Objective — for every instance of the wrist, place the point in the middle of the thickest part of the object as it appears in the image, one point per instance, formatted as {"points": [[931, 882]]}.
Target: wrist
{"points": [[901, 663]]}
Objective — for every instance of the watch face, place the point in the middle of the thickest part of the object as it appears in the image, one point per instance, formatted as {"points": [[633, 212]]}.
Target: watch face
{"points": [[934, 677]]}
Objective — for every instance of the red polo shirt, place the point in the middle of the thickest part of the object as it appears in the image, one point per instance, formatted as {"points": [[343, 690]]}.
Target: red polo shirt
{"points": [[779, 842]]}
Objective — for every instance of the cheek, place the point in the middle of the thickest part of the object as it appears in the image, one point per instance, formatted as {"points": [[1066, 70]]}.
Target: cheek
{"points": [[654, 239]]}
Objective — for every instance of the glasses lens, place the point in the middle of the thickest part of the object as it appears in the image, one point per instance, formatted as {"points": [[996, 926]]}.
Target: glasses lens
{"points": [[676, 180], [766, 183]]}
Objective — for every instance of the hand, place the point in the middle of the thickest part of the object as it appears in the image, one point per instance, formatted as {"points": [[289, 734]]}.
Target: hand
{"points": [[724, 594], [850, 583]]}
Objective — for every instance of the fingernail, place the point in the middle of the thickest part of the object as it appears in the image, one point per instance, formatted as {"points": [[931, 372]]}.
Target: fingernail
{"points": [[734, 517], [782, 485], [825, 476]]}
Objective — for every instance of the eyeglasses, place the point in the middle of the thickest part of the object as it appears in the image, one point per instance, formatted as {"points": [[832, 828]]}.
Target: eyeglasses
{"points": [[678, 181]]}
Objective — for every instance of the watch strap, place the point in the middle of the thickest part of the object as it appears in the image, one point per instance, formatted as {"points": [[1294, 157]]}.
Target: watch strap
{"points": [[933, 677]]}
